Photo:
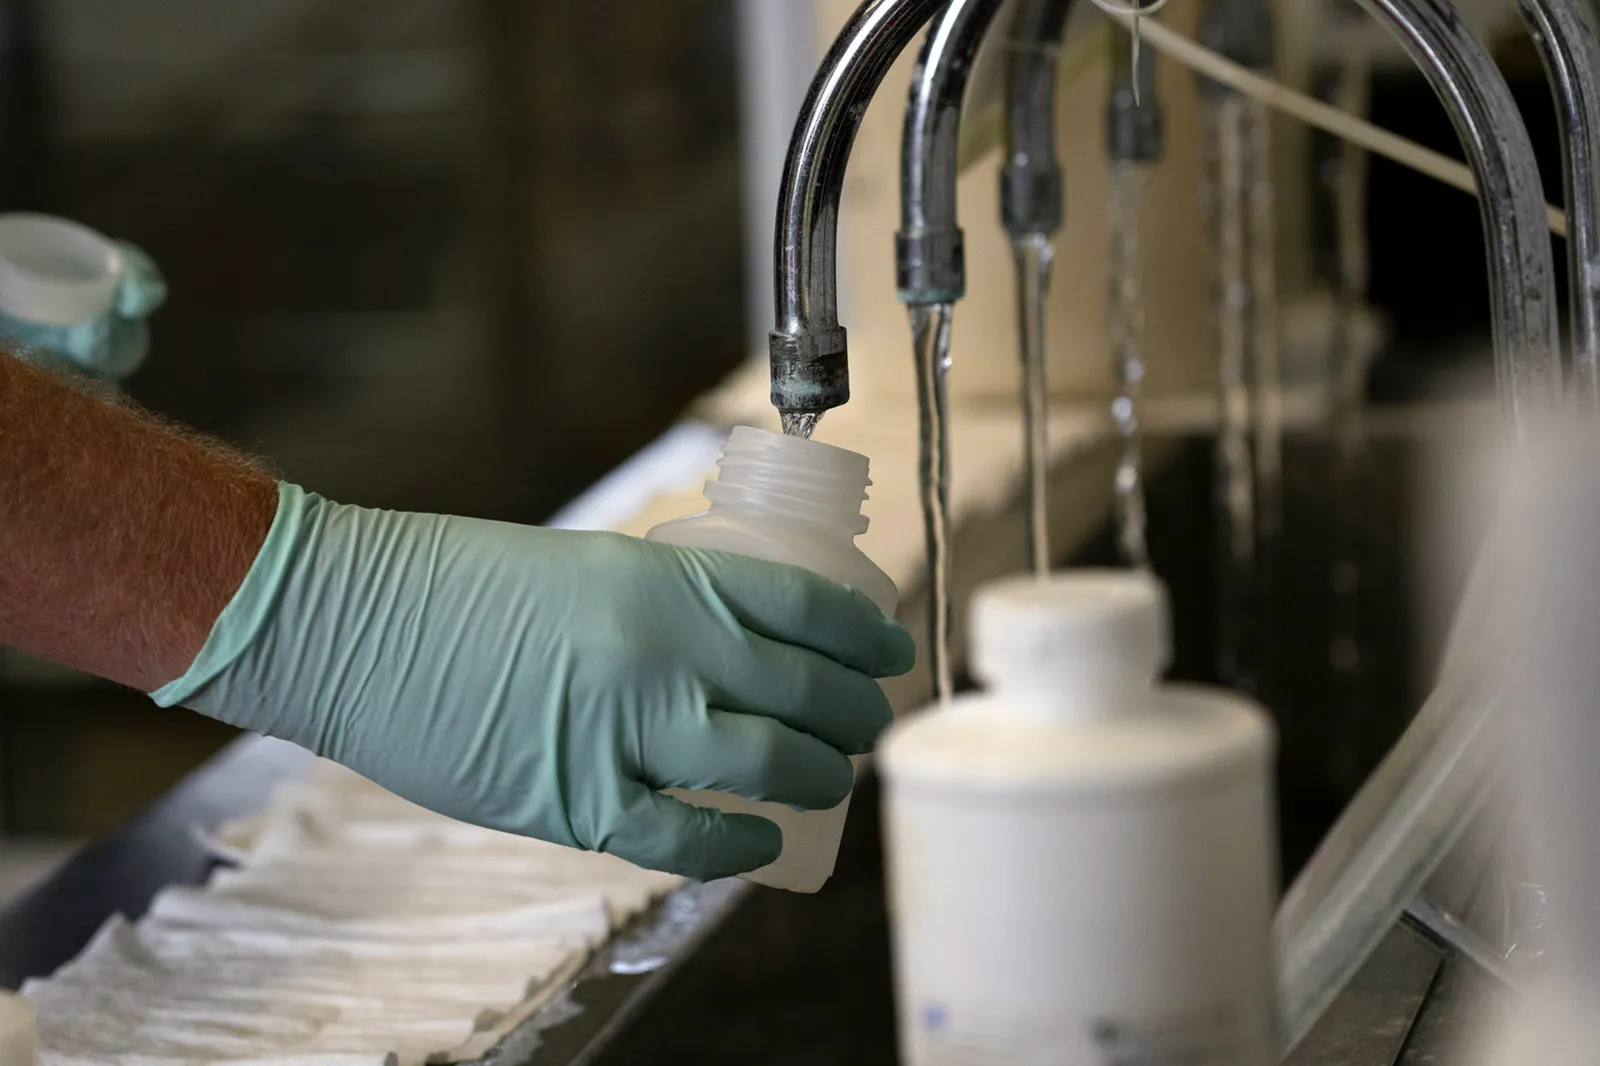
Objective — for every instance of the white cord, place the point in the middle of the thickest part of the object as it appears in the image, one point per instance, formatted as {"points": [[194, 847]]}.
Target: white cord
{"points": [[1133, 11], [1311, 111]]}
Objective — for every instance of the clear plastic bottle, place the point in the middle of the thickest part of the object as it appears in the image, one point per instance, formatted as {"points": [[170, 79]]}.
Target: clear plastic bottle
{"points": [[1080, 860], [788, 500]]}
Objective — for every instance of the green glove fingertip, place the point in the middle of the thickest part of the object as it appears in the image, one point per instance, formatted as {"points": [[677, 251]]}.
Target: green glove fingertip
{"points": [[753, 842], [897, 649], [898, 653]]}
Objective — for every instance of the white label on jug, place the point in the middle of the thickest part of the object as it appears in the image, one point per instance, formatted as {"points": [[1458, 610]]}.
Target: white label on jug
{"points": [[990, 1036]]}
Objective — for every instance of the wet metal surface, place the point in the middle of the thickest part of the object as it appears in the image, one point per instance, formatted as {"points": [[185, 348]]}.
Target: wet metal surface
{"points": [[621, 978], [1368, 1024]]}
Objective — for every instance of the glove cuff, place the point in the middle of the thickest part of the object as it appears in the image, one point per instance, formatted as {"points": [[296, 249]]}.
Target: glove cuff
{"points": [[254, 602]]}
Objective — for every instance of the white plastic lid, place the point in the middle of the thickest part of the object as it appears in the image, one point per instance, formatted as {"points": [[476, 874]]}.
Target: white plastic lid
{"points": [[19, 1031], [54, 272], [1076, 629]]}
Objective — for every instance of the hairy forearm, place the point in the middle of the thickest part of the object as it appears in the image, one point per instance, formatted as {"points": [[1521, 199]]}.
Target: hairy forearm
{"points": [[121, 538]]}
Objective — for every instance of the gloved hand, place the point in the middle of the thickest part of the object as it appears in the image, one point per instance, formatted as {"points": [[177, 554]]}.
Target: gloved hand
{"points": [[548, 683]]}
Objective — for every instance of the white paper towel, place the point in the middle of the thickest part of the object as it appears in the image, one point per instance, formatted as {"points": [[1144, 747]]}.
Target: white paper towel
{"points": [[357, 928]]}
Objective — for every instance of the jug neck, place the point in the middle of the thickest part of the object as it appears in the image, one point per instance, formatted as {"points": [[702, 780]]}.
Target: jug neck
{"points": [[771, 475]]}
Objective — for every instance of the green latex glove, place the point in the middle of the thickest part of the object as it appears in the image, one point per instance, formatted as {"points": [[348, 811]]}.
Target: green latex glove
{"points": [[548, 683]]}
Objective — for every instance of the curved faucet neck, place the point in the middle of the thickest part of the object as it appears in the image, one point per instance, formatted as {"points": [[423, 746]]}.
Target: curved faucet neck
{"points": [[810, 369]]}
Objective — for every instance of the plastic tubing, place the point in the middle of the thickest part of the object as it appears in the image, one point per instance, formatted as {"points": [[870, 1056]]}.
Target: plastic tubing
{"points": [[1399, 828]]}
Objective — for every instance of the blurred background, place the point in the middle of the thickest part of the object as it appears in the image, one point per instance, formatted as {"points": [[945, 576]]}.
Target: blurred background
{"points": [[468, 255]]}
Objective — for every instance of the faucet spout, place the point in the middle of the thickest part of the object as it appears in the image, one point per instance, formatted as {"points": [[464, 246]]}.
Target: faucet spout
{"points": [[1030, 181], [810, 363], [930, 251], [1134, 124]]}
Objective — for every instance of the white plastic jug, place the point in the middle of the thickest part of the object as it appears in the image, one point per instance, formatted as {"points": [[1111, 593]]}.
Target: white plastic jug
{"points": [[788, 500], [1081, 861]]}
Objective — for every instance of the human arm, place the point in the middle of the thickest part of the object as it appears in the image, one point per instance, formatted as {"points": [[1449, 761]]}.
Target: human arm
{"points": [[121, 537], [538, 681]]}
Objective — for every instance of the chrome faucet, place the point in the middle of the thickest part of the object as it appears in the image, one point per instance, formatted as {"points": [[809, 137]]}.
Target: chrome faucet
{"points": [[810, 369], [930, 275], [1571, 54], [929, 247], [809, 352], [810, 365], [1521, 272], [930, 256], [1030, 179]]}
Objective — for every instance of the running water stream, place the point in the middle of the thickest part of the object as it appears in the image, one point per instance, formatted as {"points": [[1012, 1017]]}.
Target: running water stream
{"points": [[1033, 254], [1227, 143], [1347, 655], [800, 423], [1126, 329], [1266, 368], [1266, 379], [930, 335]]}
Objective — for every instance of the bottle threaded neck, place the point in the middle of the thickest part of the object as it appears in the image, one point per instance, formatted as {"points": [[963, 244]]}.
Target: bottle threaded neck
{"points": [[797, 478]]}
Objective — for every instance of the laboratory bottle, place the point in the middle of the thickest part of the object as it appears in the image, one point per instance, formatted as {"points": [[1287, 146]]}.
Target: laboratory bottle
{"points": [[1080, 860], [788, 500]]}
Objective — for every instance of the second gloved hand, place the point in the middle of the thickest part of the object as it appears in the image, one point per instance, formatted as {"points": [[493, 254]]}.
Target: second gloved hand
{"points": [[550, 683]]}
